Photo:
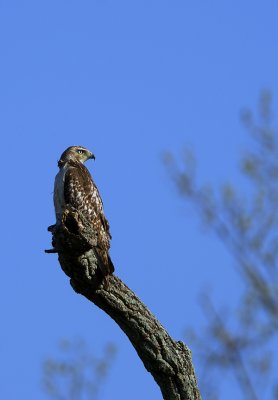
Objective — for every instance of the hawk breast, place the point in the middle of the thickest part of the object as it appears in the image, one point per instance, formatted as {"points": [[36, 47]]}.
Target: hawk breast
{"points": [[59, 196]]}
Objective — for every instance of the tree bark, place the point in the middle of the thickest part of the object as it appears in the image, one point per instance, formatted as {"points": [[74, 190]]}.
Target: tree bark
{"points": [[168, 361]]}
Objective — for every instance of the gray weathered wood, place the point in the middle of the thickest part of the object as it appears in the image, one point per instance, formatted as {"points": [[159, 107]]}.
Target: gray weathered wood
{"points": [[168, 361]]}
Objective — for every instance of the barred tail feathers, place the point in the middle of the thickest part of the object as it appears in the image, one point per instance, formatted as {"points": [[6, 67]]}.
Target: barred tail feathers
{"points": [[105, 263]]}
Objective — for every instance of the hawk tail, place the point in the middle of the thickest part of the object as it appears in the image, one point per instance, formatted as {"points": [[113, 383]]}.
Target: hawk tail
{"points": [[105, 264], [111, 265]]}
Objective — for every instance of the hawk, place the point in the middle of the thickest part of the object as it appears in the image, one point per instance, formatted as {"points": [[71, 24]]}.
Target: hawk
{"points": [[74, 186]]}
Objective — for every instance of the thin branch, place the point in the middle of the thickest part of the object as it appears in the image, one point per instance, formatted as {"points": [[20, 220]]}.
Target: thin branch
{"points": [[232, 350]]}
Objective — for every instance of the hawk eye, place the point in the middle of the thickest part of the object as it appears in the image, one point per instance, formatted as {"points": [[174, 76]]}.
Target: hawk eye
{"points": [[80, 151]]}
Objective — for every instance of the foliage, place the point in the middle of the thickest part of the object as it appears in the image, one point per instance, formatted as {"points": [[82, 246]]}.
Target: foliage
{"points": [[248, 226]]}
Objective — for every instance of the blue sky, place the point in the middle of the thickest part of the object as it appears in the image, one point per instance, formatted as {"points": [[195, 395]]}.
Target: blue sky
{"points": [[128, 80]]}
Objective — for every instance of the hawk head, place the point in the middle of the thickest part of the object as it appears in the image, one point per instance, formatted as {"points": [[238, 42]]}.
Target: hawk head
{"points": [[75, 153]]}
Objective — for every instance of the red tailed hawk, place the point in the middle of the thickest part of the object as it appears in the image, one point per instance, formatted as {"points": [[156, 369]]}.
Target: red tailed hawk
{"points": [[74, 186]]}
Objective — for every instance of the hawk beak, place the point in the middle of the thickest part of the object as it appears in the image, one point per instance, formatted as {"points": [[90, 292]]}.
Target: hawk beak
{"points": [[92, 156]]}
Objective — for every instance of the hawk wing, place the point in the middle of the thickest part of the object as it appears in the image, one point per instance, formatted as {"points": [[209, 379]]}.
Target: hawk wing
{"points": [[81, 193]]}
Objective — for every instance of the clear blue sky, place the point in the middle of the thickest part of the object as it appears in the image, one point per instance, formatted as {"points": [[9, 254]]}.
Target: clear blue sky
{"points": [[128, 80]]}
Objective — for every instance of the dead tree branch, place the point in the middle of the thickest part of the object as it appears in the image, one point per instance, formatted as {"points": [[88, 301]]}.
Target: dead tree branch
{"points": [[168, 361]]}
